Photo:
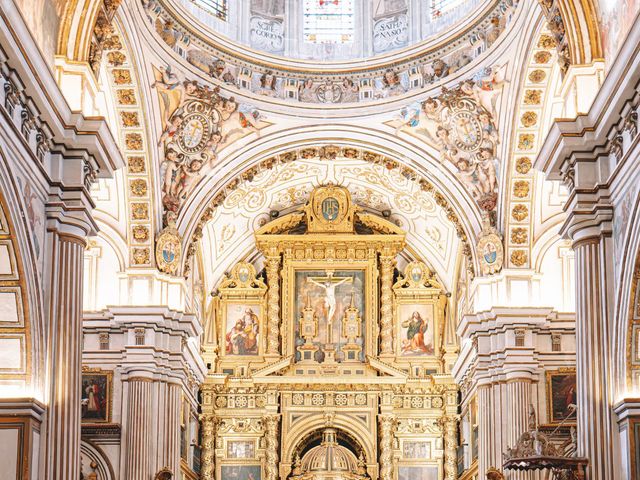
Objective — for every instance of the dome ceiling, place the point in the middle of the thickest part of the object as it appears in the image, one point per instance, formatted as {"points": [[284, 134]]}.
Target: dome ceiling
{"points": [[331, 30], [394, 46]]}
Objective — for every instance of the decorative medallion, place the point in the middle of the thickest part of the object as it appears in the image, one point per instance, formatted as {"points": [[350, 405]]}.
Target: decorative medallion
{"points": [[537, 76], [330, 209], [523, 165], [136, 164], [525, 141], [519, 235], [168, 250], [518, 258], [532, 97], [138, 187], [520, 212], [521, 188], [546, 41], [490, 250], [129, 119], [542, 57], [529, 119], [133, 141], [126, 96]]}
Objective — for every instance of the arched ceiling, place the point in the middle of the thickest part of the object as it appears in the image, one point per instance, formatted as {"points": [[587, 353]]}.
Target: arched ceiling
{"points": [[228, 236]]}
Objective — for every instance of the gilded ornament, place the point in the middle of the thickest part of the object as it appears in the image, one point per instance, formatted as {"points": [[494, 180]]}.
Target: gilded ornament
{"points": [[521, 188], [518, 258], [126, 96], [140, 211], [116, 59], [140, 256], [133, 141], [130, 119], [520, 212], [529, 119], [309, 153], [532, 97], [523, 165], [519, 235], [140, 233], [121, 76], [542, 57], [138, 187], [537, 76], [350, 153], [136, 164], [546, 41], [168, 250], [526, 141], [490, 250]]}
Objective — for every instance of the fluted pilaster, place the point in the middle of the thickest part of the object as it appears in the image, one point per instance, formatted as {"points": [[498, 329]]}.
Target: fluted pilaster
{"points": [[519, 399], [485, 430], [170, 419], [273, 305], [387, 265], [593, 329], [65, 316], [138, 430]]}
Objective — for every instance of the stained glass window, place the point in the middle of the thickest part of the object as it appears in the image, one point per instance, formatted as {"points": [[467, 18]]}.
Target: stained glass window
{"points": [[217, 8], [440, 8], [329, 21]]}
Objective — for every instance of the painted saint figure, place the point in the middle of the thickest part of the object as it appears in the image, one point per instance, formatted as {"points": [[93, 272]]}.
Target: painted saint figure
{"points": [[416, 329]]}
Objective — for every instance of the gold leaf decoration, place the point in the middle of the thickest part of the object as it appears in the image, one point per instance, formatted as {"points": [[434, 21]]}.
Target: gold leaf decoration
{"points": [[140, 233], [537, 75], [126, 96], [523, 165], [520, 212], [529, 119], [130, 119], [519, 235], [518, 258], [136, 164], [532, 97], [526, 141], [521, 189], [138, 187], [133, 141], [140, 211], [542, 57]]}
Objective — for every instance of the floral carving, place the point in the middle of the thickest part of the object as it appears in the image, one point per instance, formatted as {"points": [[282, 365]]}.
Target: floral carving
{"points": [[518, 258], [126, 96], [529, 119], [523, 165], [521, 188], [520, 212], [526, 141], [138, 187], [519, 235], [133, 141], [136, 164], [140, 211], [542, 57], [130, 119], [532, 97], [537, 76]]}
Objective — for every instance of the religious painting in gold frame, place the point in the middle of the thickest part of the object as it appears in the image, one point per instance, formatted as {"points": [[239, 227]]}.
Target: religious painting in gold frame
{"points": [[349, 284], [242, 308], [419, 314], [561, 394], [96, 395]]}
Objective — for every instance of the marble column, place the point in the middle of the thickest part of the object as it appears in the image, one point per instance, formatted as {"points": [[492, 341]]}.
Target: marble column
{"points": [[387, 425], [450, 447], [273, 305], [387, 264], [138, 430], [65, 347], [209, 424], [593, 330], [271, 435]]}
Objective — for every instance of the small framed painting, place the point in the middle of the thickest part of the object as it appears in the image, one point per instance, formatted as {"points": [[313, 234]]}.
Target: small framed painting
{"points": [[414, 450], [561, 396], [243, 322], [241, 472], [241, 449], [422, 472], [96, 395]]}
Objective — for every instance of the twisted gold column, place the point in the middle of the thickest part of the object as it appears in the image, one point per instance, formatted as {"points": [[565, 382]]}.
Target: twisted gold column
{"points": [[387, 427], [271, 434], [273, 305], [387, 265], [209, 424]]}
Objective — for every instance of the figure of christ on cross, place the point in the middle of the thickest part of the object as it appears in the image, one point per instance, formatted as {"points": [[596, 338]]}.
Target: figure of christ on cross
{"points": [[329, 285]]}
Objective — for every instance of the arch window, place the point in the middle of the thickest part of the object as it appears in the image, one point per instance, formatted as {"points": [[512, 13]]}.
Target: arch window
{"points": [[329, 21], [217, 8]]}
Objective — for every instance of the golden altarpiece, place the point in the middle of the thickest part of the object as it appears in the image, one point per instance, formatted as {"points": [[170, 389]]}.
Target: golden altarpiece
{"points": [[332, 366]]}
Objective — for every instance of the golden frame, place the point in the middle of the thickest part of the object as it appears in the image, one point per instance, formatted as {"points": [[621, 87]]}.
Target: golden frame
{"points": [[224, 326], [109, 394], [290, 316], [419, 287], [549, 374], [253, 462], [242, 288]]}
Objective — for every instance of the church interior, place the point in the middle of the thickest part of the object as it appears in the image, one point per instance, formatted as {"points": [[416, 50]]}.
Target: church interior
{"points": [[319, 239]]}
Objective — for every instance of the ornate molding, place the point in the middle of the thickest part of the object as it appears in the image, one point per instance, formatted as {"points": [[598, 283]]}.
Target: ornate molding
{"points": [[328, 152]]}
